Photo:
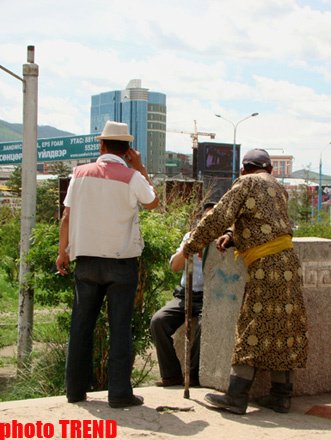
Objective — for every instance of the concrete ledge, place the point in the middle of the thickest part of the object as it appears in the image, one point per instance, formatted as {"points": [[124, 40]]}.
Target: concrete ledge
{"points": [[192, 419]]}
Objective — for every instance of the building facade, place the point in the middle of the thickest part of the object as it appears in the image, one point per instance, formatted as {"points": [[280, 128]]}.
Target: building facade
{"points": [[144, 112], [281, 161], [178, 164]]}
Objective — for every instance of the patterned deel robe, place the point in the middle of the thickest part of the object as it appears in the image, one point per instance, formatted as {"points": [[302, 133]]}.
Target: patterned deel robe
{"points": [[271, 331]]}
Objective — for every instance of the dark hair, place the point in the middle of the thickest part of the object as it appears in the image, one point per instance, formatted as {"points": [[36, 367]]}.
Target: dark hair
{"points": [[116, 147], [250, 168], [208, 205]]}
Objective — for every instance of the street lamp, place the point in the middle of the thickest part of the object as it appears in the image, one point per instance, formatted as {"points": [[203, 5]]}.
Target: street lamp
{"points": [[234, 140], [320, 184]]}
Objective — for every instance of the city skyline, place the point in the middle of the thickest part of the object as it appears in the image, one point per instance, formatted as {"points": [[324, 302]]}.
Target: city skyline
{"points": [[144, 111], [208, 56]]}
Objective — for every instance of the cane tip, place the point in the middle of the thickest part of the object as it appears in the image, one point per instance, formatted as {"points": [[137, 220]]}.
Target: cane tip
{"points": [[186, 394]]}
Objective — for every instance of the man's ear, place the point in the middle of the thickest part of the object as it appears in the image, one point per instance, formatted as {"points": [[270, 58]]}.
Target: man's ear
{"points": [[126, 154], [102, 147]]}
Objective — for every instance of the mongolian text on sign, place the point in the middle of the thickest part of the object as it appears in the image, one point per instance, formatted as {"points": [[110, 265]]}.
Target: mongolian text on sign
{"points": [[53, 149]]}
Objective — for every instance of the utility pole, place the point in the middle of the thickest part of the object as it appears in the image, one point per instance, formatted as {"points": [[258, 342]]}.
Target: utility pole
{"points": [[28, 209]]}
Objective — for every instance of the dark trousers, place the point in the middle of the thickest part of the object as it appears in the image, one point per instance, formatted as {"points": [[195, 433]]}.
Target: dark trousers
{"points": [[96, 277], [164, 324]]}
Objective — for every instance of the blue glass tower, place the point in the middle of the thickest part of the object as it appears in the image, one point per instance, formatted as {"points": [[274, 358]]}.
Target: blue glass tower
{"points": [[145, 114]]}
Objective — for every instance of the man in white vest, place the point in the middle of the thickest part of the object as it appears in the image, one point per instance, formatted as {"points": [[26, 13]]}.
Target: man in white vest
{"points": [[100, 230]]}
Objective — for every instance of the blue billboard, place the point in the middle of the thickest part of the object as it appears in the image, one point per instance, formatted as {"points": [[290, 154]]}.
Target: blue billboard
{"points": [[53, 149]]}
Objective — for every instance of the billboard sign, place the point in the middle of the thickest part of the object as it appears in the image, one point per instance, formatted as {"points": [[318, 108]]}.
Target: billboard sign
{"points": [[215, 161], [217, 158], [53, 149]]}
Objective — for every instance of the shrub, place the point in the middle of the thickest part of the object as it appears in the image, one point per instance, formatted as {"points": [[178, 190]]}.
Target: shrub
{"points": [[317, 228], [47, 201], [51, 289], [162, 233], [10, 229]]}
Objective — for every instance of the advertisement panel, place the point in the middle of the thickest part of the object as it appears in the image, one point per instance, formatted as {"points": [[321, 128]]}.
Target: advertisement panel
{"points": [[217, 158], [53, 149], [215, 162]]}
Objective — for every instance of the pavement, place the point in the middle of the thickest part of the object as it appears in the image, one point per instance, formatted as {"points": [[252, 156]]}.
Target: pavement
{"points": [[166, 414]]}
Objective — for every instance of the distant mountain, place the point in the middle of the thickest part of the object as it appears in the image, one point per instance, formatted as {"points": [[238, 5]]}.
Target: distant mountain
{"points": [[312, 176], [13, 132]]}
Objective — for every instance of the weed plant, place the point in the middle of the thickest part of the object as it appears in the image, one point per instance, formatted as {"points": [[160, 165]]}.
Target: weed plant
{"points": [[8, 311], [43, 373]]}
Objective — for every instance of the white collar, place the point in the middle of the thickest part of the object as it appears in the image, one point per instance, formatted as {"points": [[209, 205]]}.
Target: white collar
{"points": [[111, 158]]}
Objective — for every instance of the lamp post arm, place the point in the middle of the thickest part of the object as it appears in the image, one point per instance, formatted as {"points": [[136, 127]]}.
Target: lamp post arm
{"points": [[228, 120], [12, 73], [242, 120], [234, 140]]}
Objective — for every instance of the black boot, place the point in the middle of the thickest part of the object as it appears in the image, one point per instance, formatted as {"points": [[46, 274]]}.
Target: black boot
{"points": [[279, 398], [236, 398]]}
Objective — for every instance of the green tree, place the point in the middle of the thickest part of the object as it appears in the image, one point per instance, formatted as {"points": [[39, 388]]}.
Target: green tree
{"points": [[162, 234], [60, 169], [15, 181], [47, 202], [300, 205], [48, 193]]}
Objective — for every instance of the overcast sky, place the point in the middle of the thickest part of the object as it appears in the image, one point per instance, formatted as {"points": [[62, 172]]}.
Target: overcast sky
{"points": [[230, 57]]}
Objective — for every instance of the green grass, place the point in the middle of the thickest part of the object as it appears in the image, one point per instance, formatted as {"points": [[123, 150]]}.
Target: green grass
{"points": [[43, 373], [9, 312], [8, 296], [8, 335], [44, 317]]}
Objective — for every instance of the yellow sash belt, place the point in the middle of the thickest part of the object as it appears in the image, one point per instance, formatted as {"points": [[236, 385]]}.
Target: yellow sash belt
{"points": [[272, 247]]}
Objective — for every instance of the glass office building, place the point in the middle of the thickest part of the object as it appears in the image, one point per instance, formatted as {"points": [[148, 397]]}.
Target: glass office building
{"points": [[145, 114]]}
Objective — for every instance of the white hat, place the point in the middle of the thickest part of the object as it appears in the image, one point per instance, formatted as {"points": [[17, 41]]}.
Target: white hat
{"points": [[115, 131]]}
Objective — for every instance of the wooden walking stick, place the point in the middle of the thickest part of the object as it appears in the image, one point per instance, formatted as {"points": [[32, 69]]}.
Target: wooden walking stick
{"points": [[188, 321]]}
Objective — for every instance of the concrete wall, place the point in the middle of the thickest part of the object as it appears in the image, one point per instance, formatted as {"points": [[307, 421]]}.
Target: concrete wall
{"points": [[224, 285], [223, 292]]}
